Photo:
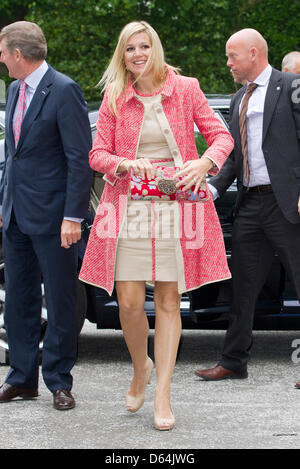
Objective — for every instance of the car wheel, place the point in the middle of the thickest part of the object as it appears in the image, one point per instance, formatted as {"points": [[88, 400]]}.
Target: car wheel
{"points": [[3, 337], [81, 308], [3, 340], [81, 314], [81, 305]]}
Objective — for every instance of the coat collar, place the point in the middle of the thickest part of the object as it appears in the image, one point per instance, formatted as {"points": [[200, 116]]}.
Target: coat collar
{"points": [[36, 76], [166, 90]]}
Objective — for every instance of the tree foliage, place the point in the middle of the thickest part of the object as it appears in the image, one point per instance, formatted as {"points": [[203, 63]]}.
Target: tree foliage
{"points": [[82, 34], [12, 10]]}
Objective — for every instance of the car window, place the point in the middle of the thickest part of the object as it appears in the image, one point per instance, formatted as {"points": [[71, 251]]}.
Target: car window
{"points": [[2, 118], [200, 140]]}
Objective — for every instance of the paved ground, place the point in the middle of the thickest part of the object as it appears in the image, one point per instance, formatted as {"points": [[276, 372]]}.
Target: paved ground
{"points": [[260, 412]]}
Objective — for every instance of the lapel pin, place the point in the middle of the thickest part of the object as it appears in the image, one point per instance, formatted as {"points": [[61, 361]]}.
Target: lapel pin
{"points": [[278, 88], [43, 92]]}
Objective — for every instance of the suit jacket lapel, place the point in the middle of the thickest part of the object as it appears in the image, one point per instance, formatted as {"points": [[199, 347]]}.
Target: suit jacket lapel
{"points": [[234, 126], [272, 95], [10, 108], [37, 102]]}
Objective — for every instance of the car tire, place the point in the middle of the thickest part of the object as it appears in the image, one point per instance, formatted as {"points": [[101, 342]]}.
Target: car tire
{"points": [[80, 313], [81, 305], [81, 309]]}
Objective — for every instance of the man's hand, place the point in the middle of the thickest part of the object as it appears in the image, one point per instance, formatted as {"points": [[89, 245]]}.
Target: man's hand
{"points": [[70, 233]]}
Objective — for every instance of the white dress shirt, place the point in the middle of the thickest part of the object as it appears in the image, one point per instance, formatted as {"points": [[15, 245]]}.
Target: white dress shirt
{"points": [[32, 81], [258, 170]]}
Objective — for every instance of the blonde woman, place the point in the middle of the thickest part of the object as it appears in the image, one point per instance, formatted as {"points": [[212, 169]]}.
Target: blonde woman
{"points": [[147, 117]]}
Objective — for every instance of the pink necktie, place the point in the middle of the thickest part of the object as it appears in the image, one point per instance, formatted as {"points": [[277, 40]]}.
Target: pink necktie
{"points": [[21, 106]]}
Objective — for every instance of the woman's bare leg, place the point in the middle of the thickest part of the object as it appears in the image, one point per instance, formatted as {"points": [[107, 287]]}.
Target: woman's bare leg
{"points": [[167, 336], [134, 322]]}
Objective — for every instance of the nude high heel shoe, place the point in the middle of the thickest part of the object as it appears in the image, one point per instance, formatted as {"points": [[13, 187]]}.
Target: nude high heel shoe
{"points": [[163, 424], [134, 403]]}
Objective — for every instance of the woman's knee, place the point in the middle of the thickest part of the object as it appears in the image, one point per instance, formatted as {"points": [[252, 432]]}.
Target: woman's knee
{"points": [[131, 299], [130, 307], [167, 302]]}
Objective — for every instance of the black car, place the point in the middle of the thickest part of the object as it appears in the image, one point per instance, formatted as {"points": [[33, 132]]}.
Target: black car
{"points": [[205, 308]]}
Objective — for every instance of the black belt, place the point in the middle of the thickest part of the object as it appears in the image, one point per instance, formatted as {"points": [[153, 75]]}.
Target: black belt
{"points": [[261, 189]]}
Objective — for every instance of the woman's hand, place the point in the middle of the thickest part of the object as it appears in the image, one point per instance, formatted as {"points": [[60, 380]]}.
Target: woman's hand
{"points": [[194, 171], [141, 167]]}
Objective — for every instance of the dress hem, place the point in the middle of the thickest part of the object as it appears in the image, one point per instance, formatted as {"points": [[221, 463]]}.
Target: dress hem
{"points": [[180, 292]]}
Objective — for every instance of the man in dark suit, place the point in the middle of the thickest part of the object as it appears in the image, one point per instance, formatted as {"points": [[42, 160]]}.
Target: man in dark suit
{"points": [[45, 193], [265, 124], [291, 62]]}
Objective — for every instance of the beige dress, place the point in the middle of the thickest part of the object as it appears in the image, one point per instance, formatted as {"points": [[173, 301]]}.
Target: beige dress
{"points": [[146, 248]]}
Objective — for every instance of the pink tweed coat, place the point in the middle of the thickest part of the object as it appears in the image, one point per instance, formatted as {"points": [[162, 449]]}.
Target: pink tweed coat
{"points": [[202, 252]]}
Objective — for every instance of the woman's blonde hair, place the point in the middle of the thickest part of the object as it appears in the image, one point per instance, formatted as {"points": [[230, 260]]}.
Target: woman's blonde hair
{"points": [[116, 74]]}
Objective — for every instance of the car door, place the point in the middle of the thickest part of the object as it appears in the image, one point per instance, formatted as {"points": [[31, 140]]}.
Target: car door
{"points": [[212, 302]]}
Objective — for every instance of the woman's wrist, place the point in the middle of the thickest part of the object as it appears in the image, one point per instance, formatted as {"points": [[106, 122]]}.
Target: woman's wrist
{"points": [[210, 163], [124, 166]]}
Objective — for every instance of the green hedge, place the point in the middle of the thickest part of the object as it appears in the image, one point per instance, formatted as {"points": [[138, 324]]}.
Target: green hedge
{"points": [[82, 34]]}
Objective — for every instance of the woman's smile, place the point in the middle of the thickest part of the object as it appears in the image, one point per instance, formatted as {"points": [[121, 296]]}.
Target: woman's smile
{"points": [[137, 53]]}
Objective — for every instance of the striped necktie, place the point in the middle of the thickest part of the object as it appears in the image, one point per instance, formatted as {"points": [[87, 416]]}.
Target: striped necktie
{"points": [[243, 129], [20, 111]]}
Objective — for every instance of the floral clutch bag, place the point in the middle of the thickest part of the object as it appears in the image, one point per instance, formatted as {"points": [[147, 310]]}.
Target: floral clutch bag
{"points": [[163, 187]]}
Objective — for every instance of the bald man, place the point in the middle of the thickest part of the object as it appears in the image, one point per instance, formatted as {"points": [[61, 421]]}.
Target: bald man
{"points": [[291, 62], [267, 208]]}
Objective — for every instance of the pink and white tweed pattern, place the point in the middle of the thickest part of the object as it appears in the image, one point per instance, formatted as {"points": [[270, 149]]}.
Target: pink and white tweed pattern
{"points": [[117, 138], [21, 107]]}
